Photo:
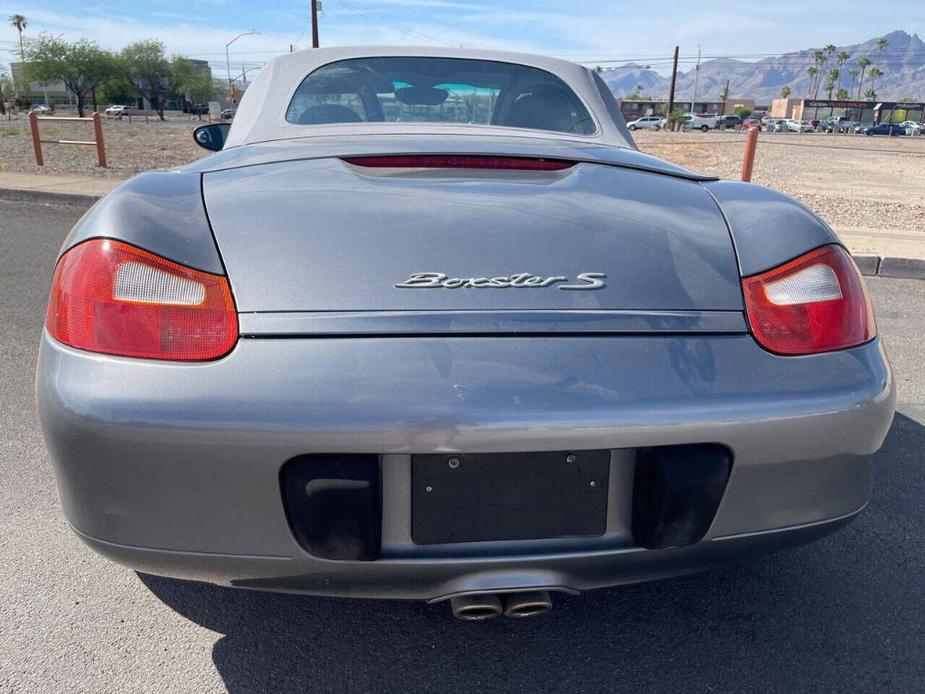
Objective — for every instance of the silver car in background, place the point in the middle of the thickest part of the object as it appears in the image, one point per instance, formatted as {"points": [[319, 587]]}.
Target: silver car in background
{"points": [[429, 326]]}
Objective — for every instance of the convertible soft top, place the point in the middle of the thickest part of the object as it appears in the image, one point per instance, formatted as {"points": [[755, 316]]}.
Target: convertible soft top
{"points": [[261, 116]]}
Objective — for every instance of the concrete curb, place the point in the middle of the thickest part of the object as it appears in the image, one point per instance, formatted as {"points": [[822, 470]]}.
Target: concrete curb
{"points": [[902, 268], [47, 197]]}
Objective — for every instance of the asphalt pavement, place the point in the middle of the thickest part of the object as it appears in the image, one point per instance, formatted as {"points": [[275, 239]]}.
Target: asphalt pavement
{"points": [[846, 614]]}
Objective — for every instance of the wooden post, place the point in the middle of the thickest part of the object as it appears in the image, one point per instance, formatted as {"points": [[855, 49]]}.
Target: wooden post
{"points": [[36, 140], [748, 161], [100, 146]]}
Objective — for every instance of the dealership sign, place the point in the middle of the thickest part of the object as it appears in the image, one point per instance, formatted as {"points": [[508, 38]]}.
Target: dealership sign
{"points": [[882, 106]]}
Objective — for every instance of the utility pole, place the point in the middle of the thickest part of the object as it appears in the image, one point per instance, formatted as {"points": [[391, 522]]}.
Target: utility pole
{"points": [[674, 79], [696, 80], [314, 23]]}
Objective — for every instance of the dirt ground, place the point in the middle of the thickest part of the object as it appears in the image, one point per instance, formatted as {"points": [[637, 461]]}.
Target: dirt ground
{"points": [[871, 190]]}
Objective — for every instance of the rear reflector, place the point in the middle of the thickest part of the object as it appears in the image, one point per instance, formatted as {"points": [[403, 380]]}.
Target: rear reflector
{"points": [[815, 303], [111, 297], [443, 161]]}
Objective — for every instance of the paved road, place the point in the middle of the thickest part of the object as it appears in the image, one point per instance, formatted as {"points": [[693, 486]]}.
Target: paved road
{"points": [[846, 614]]}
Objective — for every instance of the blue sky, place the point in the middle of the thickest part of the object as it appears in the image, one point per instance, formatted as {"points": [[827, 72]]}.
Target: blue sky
{"points": [[589, 31]]}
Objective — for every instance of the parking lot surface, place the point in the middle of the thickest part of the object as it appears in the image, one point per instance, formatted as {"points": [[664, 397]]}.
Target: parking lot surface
{"points": [[846, 614]]}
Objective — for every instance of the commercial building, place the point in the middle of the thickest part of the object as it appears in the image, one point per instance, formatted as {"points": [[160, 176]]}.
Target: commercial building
{"points": [[48, 93], [636, 108], [861, 111]]}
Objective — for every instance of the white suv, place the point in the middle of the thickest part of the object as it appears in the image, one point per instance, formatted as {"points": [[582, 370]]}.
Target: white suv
{"points": [[117, 110], [646, 122]]}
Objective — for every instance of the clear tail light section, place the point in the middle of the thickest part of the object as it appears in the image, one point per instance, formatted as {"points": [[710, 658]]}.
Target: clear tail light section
{"points": [[814, 303], [111, 297]]}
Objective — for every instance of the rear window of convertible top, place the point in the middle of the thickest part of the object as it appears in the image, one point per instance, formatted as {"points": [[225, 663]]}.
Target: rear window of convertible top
{"points": [[438, 90]]}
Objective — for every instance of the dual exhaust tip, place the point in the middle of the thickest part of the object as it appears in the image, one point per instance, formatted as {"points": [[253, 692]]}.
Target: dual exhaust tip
{"points": [[476, 608]]}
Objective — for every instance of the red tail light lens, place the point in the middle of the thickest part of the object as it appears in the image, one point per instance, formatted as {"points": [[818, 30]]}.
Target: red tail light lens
{"points": [[815, 303], [443, 161], [111, 297]]}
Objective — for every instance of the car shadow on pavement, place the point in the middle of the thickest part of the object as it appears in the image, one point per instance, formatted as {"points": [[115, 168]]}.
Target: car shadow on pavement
{"points": [[836, 615]]}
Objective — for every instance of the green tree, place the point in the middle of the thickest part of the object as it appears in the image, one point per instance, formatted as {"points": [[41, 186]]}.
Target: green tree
{"points": [[785, 92], [6, 87], [863, 63], [842, 94], [675, 119], [82, 65], [742, 112], [194, 83], [146, 67], [853, 73], [870, 95]]}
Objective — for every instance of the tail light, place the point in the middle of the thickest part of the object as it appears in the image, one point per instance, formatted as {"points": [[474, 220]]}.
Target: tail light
{"points": [[814, 303], [464, 161], [111, 297]]}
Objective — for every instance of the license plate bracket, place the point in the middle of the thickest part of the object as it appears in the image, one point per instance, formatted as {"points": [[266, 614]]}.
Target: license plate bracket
{"points": [[508, 496]]}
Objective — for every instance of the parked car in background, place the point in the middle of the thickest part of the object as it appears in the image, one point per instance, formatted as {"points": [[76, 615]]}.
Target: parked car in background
{"points": [[859, 127], [888, 129], [693, 122], [41, 108], [799, 126], [116, 110], [198, 109], [646, 122], [749, 123], [776, 125], [730, 122], [227, 113], [911, 127], [837, 125]]}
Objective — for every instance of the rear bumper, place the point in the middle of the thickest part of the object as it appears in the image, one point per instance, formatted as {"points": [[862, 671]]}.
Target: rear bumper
{"points": [[174, 468]]}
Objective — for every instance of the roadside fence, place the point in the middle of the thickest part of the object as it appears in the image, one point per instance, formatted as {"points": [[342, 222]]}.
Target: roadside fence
{"points": [[37, 141]]}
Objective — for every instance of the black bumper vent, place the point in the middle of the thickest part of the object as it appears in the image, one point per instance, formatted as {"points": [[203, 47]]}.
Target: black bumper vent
{"points": [[334, 505], [676, 492]]}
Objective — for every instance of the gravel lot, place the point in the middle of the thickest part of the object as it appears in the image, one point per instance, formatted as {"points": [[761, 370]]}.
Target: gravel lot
{"points": [[130, 147]]}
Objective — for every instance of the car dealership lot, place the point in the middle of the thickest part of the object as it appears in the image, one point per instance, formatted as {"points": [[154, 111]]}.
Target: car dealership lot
{"points": [[844, 614]]}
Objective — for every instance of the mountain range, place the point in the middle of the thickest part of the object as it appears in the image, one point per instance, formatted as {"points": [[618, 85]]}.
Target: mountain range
{"points": [[902, 61]]}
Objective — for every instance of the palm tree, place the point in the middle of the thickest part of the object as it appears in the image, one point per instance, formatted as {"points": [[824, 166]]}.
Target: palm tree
{"points": [[830, 82], [840, 61], [785, 92], [874, 73], [820, 60], [881, 44], [854, 75], [863, 62], [813, 71], [18, 21], [842, 94]]}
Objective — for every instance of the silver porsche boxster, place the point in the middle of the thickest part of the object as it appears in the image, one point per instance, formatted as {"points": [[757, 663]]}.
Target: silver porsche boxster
{"points": [[428, 325]]}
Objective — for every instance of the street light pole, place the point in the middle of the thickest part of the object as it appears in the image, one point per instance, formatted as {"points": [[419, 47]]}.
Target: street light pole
{"points": [[314, 23], [228, 53]]}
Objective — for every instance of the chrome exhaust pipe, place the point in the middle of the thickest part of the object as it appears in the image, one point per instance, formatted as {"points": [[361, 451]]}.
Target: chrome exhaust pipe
{"points": [[475, 608], [527, 604]]}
